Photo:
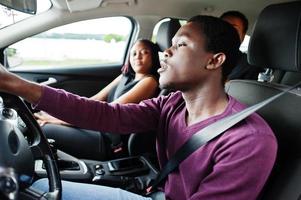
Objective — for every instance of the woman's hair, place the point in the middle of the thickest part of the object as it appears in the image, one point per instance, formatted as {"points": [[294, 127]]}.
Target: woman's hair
{"points": [[220, 36], [127, 69]]}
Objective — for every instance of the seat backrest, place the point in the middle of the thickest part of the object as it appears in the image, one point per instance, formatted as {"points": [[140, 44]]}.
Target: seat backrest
{"points": [[166, 31], [275, 43], [165, 34], [286, 78], [145, 143]]}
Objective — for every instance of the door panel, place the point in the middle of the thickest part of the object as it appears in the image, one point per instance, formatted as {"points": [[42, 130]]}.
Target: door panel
{"points": [[84, 82]]}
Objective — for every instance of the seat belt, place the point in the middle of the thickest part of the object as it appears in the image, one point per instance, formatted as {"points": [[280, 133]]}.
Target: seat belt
{"points": [[209, 133]]}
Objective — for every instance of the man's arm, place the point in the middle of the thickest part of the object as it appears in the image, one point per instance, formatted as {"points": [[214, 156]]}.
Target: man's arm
{"points": [[96, 115], [14, 84]]}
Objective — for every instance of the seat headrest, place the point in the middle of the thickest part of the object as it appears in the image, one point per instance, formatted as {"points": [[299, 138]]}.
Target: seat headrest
{"points": [[276, 39], [166, 32]]}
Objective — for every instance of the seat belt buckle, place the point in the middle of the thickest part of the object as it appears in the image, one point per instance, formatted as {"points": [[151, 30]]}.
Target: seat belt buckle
{"points": [[117, 148], [148, 190]]}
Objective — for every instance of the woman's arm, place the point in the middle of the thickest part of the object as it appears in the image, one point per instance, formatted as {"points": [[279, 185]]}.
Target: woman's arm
{"points": [[102, 95], [44, 118], [144, 89]]}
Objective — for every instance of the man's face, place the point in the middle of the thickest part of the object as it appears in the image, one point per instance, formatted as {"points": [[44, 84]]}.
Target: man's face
{"points": [[237, 24], [186, 60]]}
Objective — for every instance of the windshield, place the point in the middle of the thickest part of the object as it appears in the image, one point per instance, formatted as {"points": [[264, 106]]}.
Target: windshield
{"points": [[9, 16]]}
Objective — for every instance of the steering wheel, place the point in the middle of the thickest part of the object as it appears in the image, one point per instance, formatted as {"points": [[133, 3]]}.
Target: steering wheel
{"points": [[19, 152]]}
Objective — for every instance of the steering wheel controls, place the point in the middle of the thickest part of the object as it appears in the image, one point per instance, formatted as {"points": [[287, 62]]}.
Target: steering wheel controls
{"points": [[8, 183], [8, 114], [1, 103]]}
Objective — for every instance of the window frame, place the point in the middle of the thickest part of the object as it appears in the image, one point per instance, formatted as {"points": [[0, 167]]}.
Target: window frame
{"points": [[123, 57]]}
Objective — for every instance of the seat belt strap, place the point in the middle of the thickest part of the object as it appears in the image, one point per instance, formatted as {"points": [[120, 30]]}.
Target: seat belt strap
{"points": [[209, 133]]}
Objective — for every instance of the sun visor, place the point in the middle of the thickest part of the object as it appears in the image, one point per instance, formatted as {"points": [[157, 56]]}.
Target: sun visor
{"points": [[80, 5]]}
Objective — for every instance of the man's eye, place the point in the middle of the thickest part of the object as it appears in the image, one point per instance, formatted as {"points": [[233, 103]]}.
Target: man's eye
{"points": [[181, 44]]}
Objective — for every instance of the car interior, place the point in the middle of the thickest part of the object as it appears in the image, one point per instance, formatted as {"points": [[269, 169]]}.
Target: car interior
{"points": [[282, 20], [274, 45]]}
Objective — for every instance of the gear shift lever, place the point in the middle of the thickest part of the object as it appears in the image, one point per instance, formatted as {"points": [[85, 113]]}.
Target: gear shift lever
{"points": [[62, 164], [53, 148]]}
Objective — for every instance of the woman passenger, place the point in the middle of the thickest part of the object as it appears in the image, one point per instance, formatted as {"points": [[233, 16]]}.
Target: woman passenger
{"points": [[138, 81]]}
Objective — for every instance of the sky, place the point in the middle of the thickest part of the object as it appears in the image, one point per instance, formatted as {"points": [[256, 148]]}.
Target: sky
{"points": [[118, 25]]}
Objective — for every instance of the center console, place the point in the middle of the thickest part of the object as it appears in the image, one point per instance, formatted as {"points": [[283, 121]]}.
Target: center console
{"points": [[130, 173]]}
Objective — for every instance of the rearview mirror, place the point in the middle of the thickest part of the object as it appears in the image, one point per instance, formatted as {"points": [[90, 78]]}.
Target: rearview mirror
{"points": [[25, 6]]}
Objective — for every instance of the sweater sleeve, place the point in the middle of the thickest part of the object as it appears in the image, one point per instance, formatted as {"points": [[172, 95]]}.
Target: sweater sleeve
{"points": [[100, 116]]}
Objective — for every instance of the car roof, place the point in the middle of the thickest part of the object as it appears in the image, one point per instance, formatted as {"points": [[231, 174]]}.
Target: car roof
{"points": [[145, 12], [172, 8]]}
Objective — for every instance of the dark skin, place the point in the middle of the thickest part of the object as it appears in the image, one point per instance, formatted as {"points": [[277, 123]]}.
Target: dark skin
{"points": [[237, 24], [187, 67]]}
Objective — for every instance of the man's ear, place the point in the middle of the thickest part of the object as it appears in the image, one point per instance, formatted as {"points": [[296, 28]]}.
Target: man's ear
{"points": [[216, 61]]}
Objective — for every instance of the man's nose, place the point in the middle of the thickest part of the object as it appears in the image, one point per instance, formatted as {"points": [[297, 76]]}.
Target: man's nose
{"points": [[167, 52]]}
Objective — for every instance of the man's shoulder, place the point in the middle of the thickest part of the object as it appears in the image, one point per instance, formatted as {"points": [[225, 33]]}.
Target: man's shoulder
{"points": [[253, 124]]}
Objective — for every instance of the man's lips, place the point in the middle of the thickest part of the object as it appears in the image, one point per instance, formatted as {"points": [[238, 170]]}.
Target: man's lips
{"points": [[163, 67]]}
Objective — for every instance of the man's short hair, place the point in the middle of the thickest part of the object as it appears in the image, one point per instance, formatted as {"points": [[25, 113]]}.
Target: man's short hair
{"points": [[220, 37], [237, 14]]}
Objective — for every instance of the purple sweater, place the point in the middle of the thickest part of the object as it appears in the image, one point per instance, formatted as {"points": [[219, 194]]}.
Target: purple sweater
{"points": [[233, 166]]}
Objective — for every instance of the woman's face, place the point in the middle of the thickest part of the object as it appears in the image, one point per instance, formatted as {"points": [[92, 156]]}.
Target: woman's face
{"points": [[141, 58]]}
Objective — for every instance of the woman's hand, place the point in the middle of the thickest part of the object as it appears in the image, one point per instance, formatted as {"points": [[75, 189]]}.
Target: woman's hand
{"points": [[44, 118]]}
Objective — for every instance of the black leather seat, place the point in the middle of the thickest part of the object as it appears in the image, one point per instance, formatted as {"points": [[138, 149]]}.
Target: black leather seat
{"points": [[142, 143], [166, 32], [286, 78], [276, 44]]}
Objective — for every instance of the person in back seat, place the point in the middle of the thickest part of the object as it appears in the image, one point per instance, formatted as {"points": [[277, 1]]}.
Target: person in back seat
{"points": [[138, 81], [243, 69], [233, 166]]}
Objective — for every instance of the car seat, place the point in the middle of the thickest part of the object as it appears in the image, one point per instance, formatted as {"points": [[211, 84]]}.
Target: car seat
{"points": [[145, 143], [276, 44], [166, 32]]}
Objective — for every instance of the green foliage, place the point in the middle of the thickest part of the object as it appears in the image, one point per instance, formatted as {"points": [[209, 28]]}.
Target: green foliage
{"points": [[10, 52], [108, 38], [70, 36]]}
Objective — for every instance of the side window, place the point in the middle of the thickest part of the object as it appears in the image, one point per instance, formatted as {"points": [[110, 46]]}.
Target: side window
{"points": [[97, 42], [245, 43]]}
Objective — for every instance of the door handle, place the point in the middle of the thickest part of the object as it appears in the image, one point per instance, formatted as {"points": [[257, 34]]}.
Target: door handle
{"points": [[50, 81]]}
